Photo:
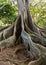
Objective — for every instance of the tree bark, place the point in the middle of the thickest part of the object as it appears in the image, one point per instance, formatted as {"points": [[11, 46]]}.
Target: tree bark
{"points": [[17, 33]]}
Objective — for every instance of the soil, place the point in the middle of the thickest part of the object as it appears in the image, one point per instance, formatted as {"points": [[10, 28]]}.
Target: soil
{"points": [[14, 56]]}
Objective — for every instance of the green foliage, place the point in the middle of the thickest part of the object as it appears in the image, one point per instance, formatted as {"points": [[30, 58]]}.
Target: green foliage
{"points": [[8, 13], [3, 1], [38, 12]]}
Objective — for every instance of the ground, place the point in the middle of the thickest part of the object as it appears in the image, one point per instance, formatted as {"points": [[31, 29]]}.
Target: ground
{"points": [[14, 56]]}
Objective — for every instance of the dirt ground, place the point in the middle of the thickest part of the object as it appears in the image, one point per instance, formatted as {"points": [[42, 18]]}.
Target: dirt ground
{"points": [[14, 56]]}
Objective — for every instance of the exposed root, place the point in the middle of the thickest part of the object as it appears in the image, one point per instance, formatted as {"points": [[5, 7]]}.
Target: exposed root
{"points": [[3, 28], [7, 42], [36, 62], [17, 33]]}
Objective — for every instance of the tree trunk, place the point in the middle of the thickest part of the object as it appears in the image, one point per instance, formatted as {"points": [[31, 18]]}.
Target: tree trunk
{"points": [[30, 26], [17, 33]]}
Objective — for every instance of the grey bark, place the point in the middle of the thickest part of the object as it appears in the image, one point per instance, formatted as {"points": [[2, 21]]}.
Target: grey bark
{"points": [[17, 30]]}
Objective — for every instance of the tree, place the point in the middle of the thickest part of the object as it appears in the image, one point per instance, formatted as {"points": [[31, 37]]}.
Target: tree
{"points": [[18, 33]]}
